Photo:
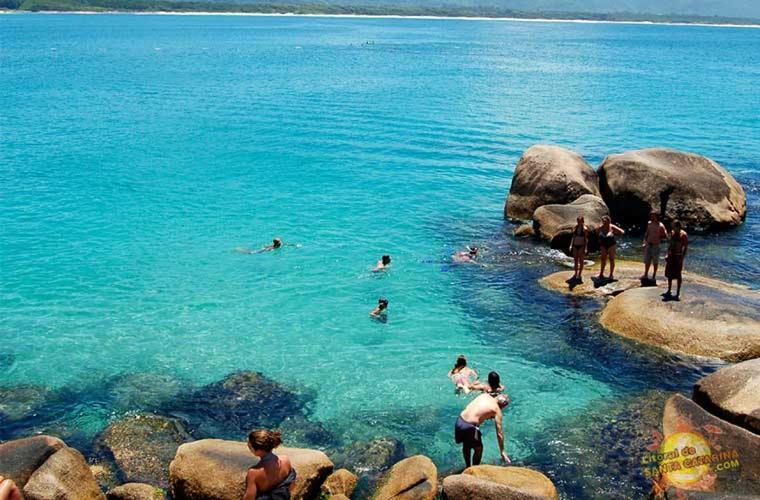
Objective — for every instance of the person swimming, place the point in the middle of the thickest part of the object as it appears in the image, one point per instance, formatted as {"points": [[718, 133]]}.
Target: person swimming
{"points": [[462, 375], [493, 387], [470, 255], [276, 245], [381, 310], [383, 264], [272, 476]]}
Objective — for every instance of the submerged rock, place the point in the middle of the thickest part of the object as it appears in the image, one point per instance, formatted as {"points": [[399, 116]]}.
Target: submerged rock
{"points": [[143, 391], [414, 478], [548, 175], [724, 439], [143, 445], [64, 475], [216, 469], [733, 394], [491, 482], [21, 457], [298, 431], [135, 491], [712, 319], [677, 185], [371, 457], [21, 401], [555, 223], [240, 402]]}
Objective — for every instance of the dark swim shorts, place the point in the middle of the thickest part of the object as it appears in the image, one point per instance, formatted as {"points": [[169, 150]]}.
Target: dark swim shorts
{"points": [[467, 433]]}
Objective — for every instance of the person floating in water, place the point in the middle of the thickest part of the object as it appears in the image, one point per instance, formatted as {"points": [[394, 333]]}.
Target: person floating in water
{"points": [[494, 386], [654, 234], [383, 264], [462, 375], [381, 310], [579, 247], [467, 428], [678, 245], [272, 476], [608, 245], [470, 255], [276, 245]]}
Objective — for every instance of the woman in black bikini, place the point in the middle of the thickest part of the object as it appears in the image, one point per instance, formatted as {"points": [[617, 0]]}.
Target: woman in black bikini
{"points": [[270, 479], [608, 244], [579, 246]]}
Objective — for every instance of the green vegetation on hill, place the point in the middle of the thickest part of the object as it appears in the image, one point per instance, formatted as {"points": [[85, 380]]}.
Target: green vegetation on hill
{"points": [[337, 9]]}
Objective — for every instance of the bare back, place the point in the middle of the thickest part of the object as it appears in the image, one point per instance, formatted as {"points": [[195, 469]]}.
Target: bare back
{"points": [[270, 473], [482, 408]]}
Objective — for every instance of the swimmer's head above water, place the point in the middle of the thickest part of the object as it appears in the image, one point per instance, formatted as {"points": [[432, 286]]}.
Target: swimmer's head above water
{"points": [[386, 259], [276, 243], [382, 304], [502, 401]]}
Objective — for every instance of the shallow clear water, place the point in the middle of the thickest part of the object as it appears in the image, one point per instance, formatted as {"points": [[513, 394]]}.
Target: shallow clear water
{"points": [[137, 152]]}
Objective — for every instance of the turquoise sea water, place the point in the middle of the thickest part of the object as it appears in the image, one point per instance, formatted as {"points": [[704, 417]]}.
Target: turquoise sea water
{"points": [[137, 152]]}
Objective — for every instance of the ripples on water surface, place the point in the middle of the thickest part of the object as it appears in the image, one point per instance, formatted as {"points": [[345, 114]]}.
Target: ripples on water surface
{"points": [[138, 151]]}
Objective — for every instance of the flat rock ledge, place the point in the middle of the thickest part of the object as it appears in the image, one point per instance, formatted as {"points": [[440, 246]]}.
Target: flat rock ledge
{"points": [[627, 276], [492, 482]]}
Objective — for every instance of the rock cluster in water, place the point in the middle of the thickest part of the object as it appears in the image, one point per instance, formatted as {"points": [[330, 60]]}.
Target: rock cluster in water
{"points": [[552, 186]]}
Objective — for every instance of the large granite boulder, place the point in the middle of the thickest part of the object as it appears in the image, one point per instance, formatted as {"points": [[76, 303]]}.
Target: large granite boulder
{"points": [[215, 469], [414, 478], [65, 475], [143, 445], [733, 394], [135, 491], [233, 406], [733, 458], [556, 222], [491, 482], [548, 175], [20, 458], [340, 482], [677, 185], [712, 319]]}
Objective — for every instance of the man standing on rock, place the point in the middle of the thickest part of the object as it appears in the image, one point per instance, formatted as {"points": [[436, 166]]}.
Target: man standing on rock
{"points": [[652, 237], [467, 429]]}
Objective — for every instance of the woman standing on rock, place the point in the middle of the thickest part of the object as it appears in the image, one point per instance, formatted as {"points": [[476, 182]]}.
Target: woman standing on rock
{"points": [[608, 245], [679, 244], [579, 247], [272, 476]]}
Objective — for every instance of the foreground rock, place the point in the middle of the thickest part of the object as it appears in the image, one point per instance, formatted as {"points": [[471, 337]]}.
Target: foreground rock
{"points": [[491, 482], [20, 458], [678, 185], [712, 319], [627, 276], [216, 469], [143, 446], [548, 175], [240, 402], [340, 482], [556, 222], [135, 491], [414, 478], [733, 394], [63, 476], [683, 415]]}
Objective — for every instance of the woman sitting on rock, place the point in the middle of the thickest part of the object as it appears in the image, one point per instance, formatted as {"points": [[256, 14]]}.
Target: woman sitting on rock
{"points": [[270, 478], [608, 245], [579, 247]]}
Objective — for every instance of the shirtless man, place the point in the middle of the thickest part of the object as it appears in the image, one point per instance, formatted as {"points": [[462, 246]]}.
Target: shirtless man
{"points": [[467, 428], [652, 237]]}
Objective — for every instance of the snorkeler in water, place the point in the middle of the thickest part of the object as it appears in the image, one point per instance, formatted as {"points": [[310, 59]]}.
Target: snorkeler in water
{"points": [[381, 310], [276, 245], [470, 255], [383, 264]]}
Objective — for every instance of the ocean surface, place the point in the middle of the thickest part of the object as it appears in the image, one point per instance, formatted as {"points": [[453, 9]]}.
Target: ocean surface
{"points": [[137, 153]]}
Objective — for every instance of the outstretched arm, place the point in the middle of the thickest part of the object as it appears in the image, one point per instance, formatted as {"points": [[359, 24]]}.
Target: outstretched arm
{"points": [[500, 436], [616, 229], [250, 486]]}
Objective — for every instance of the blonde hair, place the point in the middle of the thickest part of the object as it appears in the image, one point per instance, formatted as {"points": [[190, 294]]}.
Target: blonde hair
{"points": [[263, 439]]}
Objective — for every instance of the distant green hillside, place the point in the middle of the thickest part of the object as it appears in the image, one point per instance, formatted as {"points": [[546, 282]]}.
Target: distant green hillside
{"points": [[397, 7]]}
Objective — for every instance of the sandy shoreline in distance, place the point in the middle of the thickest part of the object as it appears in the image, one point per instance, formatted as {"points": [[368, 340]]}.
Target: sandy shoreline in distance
{"points": [[372, 16]]}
